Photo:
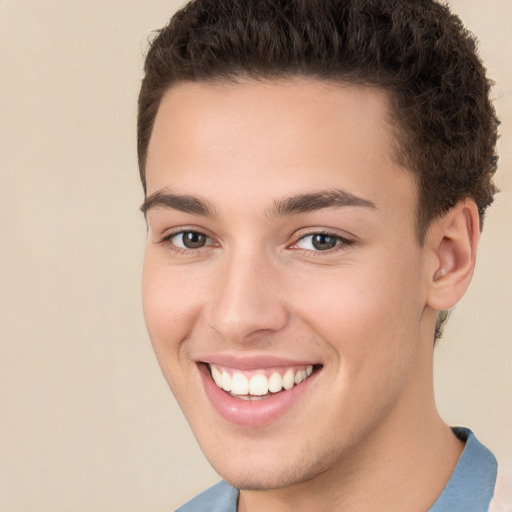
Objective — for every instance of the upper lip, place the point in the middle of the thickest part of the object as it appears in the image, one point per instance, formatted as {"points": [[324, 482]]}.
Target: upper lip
{"points": [[252, 362]]}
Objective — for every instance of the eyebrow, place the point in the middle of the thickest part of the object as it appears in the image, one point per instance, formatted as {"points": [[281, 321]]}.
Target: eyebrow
{"points": [[301, 203], [183, 203], [304, 203]]}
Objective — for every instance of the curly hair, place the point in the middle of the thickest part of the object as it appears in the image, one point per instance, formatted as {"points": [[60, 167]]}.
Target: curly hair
{"points": [[444, 122]]}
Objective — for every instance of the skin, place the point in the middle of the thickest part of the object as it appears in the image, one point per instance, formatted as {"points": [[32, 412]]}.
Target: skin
{"points": [[364, 310]]}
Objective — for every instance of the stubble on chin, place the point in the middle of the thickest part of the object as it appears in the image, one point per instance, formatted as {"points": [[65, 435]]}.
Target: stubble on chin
{"points": [[283, 474]]}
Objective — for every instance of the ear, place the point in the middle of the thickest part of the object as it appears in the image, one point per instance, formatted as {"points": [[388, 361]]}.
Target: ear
{"points": [[452, 241]]}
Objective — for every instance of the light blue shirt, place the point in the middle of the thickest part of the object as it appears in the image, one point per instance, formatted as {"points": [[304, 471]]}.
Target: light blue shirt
{"points": [[469, 489]]}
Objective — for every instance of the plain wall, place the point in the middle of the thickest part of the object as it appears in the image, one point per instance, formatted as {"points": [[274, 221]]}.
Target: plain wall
{"points": [[87, 422]]}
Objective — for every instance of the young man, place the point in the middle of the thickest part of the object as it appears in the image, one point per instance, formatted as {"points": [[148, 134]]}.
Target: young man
{"points": [[315, 176]]}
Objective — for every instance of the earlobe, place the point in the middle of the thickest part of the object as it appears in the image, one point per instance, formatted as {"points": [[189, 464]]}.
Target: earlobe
{"points": [[453, 241]]}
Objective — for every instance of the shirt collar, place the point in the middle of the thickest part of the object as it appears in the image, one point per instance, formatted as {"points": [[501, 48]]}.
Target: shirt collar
{"points": [[471, 485]]}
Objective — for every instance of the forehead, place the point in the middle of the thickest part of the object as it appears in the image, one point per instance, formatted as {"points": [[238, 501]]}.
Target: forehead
{"points": [[278, 137]]}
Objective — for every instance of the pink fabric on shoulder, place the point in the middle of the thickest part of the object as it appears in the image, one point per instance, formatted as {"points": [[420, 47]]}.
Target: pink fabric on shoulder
{"points": [[502, 499]]}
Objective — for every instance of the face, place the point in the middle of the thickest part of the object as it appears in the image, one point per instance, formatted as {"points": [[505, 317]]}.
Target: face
{"points": [[283, 283]]}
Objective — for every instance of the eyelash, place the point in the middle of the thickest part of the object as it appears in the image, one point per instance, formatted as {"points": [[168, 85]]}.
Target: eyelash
{"points": [[168, 239], [341, 242]]}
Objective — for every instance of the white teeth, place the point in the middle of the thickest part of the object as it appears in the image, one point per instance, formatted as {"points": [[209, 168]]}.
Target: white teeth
{"points": [[217, 376], [239, 384], [275, 383], [226, 381], [288, 380], [258, 386]]}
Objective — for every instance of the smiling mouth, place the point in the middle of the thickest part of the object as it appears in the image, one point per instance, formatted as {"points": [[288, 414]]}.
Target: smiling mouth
{"points": [[259, 384]]}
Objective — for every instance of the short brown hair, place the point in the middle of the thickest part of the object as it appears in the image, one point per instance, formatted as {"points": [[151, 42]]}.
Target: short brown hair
{"points": [[417, 50]]}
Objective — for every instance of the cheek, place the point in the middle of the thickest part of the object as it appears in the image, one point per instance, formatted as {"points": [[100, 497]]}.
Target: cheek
{"points": [[170, 306], [367, 313]]}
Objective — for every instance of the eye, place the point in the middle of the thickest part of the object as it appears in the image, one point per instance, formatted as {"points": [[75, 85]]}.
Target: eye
{"points": [[321, 242], [189, 240]]}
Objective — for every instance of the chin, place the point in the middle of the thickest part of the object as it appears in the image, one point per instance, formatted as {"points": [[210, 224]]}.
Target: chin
{"points": [[264, 471], [277, 478]]}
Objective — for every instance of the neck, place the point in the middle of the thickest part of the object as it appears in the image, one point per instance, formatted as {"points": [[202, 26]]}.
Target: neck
{"points": [[409, 475], [402, 465]]}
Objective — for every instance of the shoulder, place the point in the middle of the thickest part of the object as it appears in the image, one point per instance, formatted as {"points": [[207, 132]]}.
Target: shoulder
{"points": [[219, 498], [502, 498]]}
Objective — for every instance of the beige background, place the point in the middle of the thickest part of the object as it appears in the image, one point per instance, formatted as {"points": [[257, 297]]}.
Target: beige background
{"points": [[87, 422]]}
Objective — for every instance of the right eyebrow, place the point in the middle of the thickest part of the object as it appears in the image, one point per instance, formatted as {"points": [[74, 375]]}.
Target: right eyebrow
{"points": [[183, 203], [309, 202]]}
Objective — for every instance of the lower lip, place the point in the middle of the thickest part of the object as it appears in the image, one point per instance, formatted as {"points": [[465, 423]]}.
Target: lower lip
{"points": [[252, 413]]}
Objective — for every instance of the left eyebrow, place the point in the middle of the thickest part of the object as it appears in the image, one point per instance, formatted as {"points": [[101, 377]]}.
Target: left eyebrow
{"points": [[183, 203], [304, 203]]}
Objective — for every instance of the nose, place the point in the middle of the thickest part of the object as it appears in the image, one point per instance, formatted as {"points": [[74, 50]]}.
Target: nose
{"points": [[249, 300]]}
